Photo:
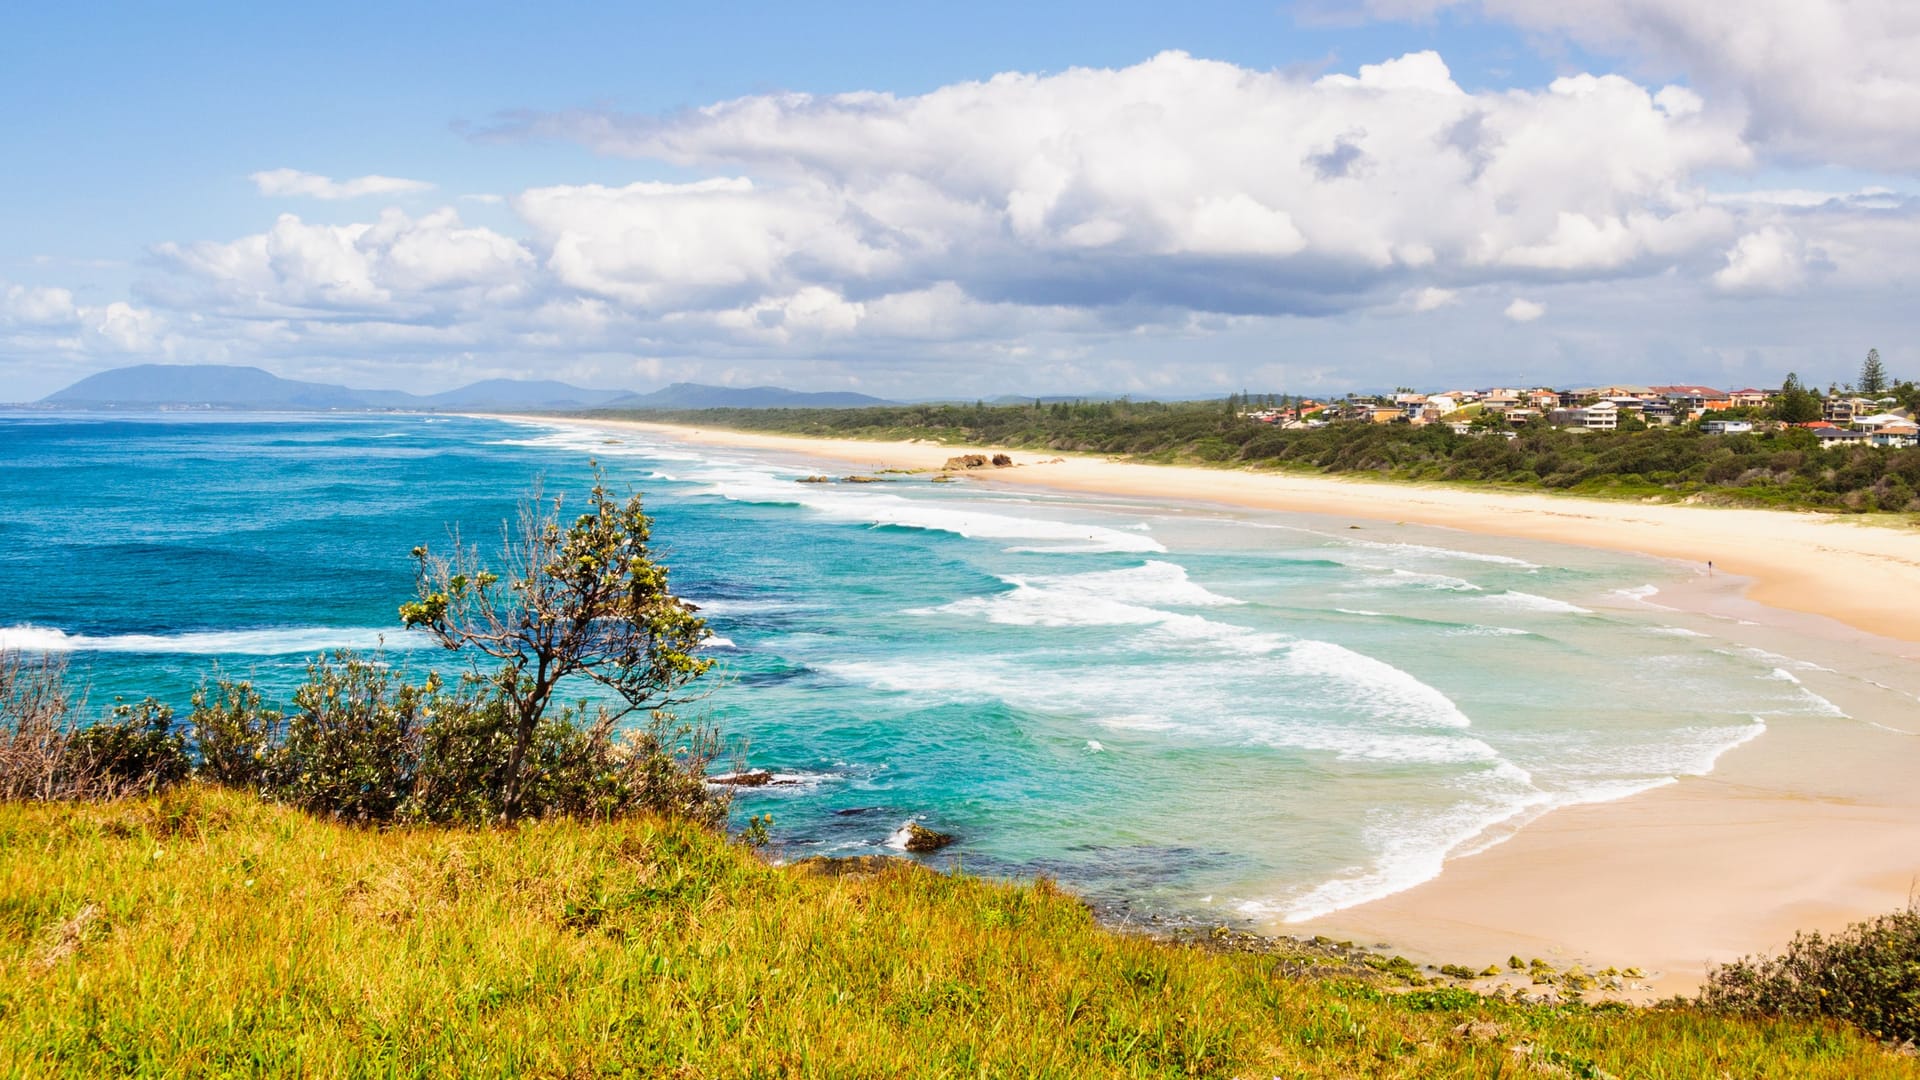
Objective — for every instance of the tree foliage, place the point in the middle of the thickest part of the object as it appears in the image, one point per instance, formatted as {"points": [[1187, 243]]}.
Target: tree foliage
{"points": [[587, 601], [1873, 375]]}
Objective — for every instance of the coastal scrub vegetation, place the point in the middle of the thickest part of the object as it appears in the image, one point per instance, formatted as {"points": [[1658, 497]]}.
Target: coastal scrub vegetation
{"points": [[205, 932], [361, 743], [1784, 468], [1868, 974]]}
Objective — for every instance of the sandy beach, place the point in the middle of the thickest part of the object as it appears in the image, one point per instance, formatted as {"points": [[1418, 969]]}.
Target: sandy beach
{"points": [[1808, 827]]}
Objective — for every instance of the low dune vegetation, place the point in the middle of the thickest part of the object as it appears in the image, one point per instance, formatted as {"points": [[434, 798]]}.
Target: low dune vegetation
{"points": [[1785, 468]]}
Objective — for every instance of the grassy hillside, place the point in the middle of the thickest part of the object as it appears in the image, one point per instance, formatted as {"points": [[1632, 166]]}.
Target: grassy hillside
{"points": [[1783, 468], [206, 933]]}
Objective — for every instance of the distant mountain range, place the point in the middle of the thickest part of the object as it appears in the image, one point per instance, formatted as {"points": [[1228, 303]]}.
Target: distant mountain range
{"points": [[215, 386]]}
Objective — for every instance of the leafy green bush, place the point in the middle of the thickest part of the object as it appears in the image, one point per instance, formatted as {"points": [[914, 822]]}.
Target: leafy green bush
{"points": [[233, 729], [47, 751], [136, 751], [1868, 974]]}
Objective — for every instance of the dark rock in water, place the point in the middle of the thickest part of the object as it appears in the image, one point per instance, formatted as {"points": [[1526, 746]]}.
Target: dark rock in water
{"points": [[967, 461], [855, 811], [814, 480], [750, 778], [861, 480], [921, 839], [943, 478], [1001, 461]]}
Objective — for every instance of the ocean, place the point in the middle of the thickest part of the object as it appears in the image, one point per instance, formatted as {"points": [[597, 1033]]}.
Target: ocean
{"points": [[1178, 711]]}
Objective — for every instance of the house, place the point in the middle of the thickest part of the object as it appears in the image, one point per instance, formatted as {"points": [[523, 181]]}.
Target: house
{"points": [[1896, 436], [1837, 436], [1878, 421], [1842, 410], [1657, 411], [1727, 427], [1599, 416], [1688, 399], [1750, 398], [1522, 416], [1499, 400], [1543, 399]]}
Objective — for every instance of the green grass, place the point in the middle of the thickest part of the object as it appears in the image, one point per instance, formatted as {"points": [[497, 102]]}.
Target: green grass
{"points": [[206, 933]]}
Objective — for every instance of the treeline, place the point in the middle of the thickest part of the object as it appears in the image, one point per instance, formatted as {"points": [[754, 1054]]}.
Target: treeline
{"points": [[1786, 468]]}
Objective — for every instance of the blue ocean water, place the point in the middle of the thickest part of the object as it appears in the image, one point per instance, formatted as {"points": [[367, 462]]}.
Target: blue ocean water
{"points": [[1180, 708]]}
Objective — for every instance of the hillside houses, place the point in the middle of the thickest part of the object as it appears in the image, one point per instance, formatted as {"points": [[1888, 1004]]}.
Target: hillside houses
{"points": [[1847, 420]]}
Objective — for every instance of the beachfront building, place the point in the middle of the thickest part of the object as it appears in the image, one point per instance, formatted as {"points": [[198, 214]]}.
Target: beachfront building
{"points": [[1839, 436], [1841, 410], [1688, 400], [1896, 436], [1599, 416], [1727, 427], [1751, 398]]}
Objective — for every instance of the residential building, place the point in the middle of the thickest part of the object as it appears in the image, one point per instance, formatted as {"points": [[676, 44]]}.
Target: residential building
{"points": [[1726, 427], [1837, 436], [1751, 398], [1897, 436]]}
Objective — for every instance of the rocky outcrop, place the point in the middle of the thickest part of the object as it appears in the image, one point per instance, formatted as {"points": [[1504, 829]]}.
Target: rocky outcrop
{"points": [[921, 839], [752, 778], [967, 461], [1001, 461]]}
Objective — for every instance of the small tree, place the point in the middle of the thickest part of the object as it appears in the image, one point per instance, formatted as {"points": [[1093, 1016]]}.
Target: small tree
{"points": [[1796, 404], [1873, 376], [584, 601]]}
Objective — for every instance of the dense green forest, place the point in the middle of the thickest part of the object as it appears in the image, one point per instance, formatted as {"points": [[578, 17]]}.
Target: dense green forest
{"points": [[1786, 468]]}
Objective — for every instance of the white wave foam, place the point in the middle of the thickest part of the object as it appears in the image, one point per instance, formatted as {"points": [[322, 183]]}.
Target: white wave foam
{"points": [[1103, 598], [715, 641], [1477, 630], [1397, 578], [1676, 631], [270, 642], [725, 608], [1428, 551], [1514, 600], [1374, 686], [1359, 611], [1412, 852]]}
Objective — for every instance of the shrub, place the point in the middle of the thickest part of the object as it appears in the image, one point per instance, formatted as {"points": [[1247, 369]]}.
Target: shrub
{"points": [[1868, 975], [233, 729], [46, 752], [135, 752]]}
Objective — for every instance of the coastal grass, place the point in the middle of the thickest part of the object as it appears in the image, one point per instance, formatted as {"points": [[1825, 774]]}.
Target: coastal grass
{"points": [[205, 932]]}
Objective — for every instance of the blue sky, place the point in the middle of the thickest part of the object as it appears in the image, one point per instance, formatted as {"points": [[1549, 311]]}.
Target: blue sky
{"points": [[1246, 219]]}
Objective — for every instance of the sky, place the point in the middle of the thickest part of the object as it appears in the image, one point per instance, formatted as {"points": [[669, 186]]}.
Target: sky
{"points": [[916, 200]]}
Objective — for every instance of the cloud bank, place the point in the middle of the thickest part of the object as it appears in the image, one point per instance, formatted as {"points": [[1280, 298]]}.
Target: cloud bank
{"points": [[1104, 220]]}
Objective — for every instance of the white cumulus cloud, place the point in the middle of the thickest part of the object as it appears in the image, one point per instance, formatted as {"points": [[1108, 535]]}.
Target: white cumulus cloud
{"points": [[1831, 80], [280, 182], [1769, 260], [1524, 311]]}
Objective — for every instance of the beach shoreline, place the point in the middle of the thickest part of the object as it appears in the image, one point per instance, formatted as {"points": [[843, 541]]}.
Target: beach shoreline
{"points": [[1811, 826]]}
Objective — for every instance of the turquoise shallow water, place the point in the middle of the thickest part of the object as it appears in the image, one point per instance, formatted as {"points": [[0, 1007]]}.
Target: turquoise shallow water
{"points": [[1177, 708]]}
